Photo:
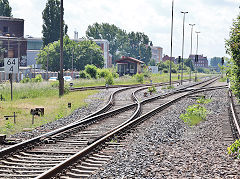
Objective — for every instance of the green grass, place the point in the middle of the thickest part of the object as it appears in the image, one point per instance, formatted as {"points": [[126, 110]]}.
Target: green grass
{"points": [[32, 95], [128, 80]]}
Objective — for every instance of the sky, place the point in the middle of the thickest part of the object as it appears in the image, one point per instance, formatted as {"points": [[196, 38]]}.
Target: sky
{"points": [[213, 19]]}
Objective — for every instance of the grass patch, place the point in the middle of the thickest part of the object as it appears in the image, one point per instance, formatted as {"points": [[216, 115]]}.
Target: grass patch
{"points": [[194, 114], [29, 96]]}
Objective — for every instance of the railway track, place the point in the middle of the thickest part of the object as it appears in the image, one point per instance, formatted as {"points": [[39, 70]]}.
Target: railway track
{"points": [[234, 116], [62, 147]]}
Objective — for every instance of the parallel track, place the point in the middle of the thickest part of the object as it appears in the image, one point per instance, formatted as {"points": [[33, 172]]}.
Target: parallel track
{"points": [[56, 147]]}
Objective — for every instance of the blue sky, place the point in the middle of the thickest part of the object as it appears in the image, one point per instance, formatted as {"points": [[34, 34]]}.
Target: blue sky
{"points": [[213, 18]]}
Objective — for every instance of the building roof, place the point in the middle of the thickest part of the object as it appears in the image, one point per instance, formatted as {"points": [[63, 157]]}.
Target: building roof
{"points": [[10, 18], [130, 59]]}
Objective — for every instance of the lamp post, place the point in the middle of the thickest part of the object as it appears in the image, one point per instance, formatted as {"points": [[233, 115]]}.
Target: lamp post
{"points": [[197, 57], [61, 81], [191, 51], [170, 66], [183, 44]]}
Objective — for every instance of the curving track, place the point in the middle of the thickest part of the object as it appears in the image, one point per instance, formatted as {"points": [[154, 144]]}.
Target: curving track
{"points": [[84, 136]]}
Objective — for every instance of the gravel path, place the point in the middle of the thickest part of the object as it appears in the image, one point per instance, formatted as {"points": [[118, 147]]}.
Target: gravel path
{"points": [[164, 147]]}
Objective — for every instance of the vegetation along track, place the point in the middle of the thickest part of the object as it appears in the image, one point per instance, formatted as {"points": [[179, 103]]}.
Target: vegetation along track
{"points": [[55, 149], [234, 116]]}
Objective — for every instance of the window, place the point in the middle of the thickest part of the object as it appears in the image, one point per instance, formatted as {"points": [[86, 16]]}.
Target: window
{"points": [[5, 29]]}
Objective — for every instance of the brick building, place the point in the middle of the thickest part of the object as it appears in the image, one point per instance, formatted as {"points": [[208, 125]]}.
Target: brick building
{"points": [[12, 42], [166, 57], [202, 61]]}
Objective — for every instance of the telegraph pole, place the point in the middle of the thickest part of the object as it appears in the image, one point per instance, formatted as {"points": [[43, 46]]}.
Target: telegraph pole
{"points": [[61, 81], [170, 74], [191, 51], [183, 45]]}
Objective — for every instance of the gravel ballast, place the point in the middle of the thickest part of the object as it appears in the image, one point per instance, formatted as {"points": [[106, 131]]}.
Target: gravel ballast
{"points": [[165, 147]]}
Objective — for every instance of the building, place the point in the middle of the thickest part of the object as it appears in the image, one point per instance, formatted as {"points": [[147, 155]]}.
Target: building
{"points": [[129, 66], [166, 57], [157, 53], [202, 61], [35, 44], [12, 42]]}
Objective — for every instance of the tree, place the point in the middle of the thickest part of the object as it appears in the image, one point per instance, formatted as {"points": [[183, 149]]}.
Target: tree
{"points": [[116, 36], [5, 9], [233, 49], [132, 44], [84, 52], [215, 61], [51, 22], [138, 46], [188, 62]]}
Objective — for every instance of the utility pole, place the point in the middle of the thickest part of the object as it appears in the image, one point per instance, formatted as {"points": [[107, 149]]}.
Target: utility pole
{"points": [[197, 57], [183, 45], [61, 81], [170, 73], [19, 55], [190, 78]]}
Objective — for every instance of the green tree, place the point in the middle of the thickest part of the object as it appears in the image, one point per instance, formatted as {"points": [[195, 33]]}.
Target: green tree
{"points": [[51, 22], [233, 49], [138, 46], [84, 52], [5, 9], [188, 62], [116, 36], [215, 61]]}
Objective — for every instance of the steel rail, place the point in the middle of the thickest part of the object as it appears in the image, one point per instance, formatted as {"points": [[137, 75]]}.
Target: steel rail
{"points": [[233, 111], [121, 128], [95, 116]]}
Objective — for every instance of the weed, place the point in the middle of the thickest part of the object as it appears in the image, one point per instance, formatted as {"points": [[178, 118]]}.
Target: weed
{"points": [[234, 149], [152, 89], [194, 114], [203, 100]]}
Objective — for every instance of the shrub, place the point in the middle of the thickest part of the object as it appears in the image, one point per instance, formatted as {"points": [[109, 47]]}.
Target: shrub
{"points": [[37, 79], [139, 78], [174, 71], [165, 71], [83, 75], [91, 70], [25, 80], [109, 79], [194, 114], [102, 73]]}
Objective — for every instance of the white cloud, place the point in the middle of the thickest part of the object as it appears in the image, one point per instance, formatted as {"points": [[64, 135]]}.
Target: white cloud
{"points": [[153, 17]]}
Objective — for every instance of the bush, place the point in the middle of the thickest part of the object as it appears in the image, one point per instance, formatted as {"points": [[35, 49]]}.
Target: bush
{"points": [[102, 73], [25, 80], [165, 71], [194, 114], [139, 77], [37, 79], [109, 79], [174, 71], [83, 75], [91, 70]]}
